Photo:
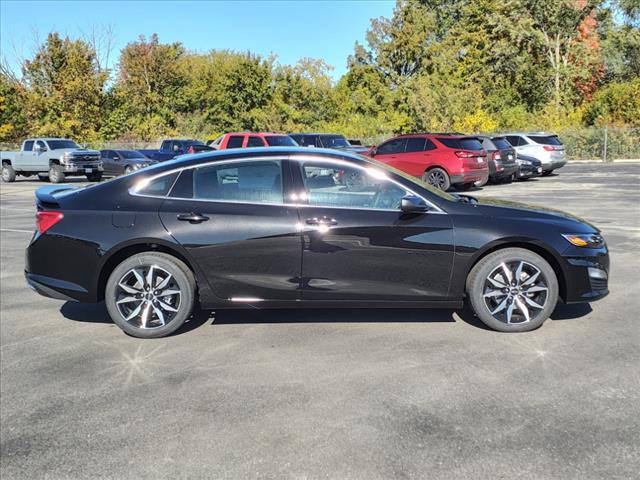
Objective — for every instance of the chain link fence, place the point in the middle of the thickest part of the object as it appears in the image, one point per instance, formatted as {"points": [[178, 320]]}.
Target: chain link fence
{"points": [[602, 144]]}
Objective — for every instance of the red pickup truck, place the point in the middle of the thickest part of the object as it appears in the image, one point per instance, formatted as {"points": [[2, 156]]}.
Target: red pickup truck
{"points": [[442, 160]]}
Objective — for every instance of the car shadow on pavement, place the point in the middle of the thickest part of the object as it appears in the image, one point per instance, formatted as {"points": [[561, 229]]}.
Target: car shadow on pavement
{"points": [[97, 313]]}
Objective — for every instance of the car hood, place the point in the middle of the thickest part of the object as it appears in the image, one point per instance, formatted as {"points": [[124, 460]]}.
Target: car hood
{"points": [[494, 207]]}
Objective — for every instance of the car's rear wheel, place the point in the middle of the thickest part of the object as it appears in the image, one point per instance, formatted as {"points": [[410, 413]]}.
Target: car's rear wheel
{"points": [[150, 294], [8, 173], [512, 290], [56, 174], [438, 178]]}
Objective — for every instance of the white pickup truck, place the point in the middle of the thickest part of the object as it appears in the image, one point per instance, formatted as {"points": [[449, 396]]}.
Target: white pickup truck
{"points": [[52, 158]]}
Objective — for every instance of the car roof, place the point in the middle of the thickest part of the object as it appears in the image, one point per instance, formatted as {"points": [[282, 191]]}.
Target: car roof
{"points": [[257, 133], [526, 134], [46, 139], [319, 134], [185, 161]]}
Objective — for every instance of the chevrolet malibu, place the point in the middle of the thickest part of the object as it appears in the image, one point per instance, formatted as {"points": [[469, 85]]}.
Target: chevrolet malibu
{"points": [[276, 227]]}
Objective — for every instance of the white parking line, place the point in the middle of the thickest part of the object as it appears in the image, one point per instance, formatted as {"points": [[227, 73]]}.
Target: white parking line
{"points": [[15, 230]]}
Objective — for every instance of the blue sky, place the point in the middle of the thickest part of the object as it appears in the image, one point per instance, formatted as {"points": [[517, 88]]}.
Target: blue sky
{"points": [[289, 29]]}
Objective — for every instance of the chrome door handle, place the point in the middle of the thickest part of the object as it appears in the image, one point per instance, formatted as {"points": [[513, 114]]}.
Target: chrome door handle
{"points": [[192, 217], [321, 221]]}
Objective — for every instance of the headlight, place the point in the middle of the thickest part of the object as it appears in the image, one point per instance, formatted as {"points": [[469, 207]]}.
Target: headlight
{"points": [[524, 162], [587, 240], [66, 156]]}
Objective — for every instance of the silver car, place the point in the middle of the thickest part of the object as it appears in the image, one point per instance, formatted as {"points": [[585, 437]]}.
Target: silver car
{"points": [[546, 147]]}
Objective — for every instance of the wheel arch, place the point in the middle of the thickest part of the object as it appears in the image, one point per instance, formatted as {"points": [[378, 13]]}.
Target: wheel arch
{"points": [[120, 254], [534, 246], [6, 161], [54, 161]]}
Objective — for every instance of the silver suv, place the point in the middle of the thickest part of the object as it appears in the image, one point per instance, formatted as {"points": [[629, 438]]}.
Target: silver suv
{"points": [[546, 147]]}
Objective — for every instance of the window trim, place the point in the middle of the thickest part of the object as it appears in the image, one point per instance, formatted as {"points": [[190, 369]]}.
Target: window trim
{"points": [[299, 159], [433, 208]]}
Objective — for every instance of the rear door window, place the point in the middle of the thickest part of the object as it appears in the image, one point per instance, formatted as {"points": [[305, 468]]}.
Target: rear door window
{"points": [[546, 140], [415, 144], [392, 146], [255, 142], [251, 182], [28, 146], [235, 141], [461, 143]]}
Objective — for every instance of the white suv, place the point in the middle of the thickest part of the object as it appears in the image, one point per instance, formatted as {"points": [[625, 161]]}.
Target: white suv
{"points": [[544, 146]]}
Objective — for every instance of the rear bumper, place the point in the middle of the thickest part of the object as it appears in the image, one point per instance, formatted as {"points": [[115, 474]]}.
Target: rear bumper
{"points": [[54, 288], [499, 170], [470, 177], [553, 165]]}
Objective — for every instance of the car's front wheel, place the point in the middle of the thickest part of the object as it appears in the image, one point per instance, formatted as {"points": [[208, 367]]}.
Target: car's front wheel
{"points": [[56, 173], [150, 294], [512, 290]]}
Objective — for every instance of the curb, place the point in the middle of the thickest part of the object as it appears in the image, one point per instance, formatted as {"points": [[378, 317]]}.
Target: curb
{"points": [[621, 160]]}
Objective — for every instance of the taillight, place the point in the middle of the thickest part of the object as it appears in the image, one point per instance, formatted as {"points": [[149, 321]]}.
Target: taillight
{"points": [[46, 220], [549, 148], [466, 154]]}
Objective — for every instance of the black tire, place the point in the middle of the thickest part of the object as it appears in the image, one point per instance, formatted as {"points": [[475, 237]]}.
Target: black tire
{"points": [[94, 177], [56, 174], [463, 187], [438, 178], [479, 286], [128, 170], [546, 173], [8, 173], [183, 280]]}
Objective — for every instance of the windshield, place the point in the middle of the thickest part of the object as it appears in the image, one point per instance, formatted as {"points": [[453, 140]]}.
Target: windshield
{"points": [[335, 141], [131, 154], [546, 140], [60, 144], [280, 141], [412, 179], [501, 143], [461, 143]]}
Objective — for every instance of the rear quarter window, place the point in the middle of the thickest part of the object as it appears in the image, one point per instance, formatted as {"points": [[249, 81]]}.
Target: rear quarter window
{"points": [[461, 143], [158, 187], [545, 140]]}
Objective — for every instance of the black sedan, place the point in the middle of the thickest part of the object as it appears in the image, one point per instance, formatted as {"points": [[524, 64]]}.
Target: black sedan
{"points": [[119, 162], [528, 167], [275, 227]]}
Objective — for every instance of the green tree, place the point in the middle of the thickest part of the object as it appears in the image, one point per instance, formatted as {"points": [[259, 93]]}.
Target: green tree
{"points": [[64, 89]]}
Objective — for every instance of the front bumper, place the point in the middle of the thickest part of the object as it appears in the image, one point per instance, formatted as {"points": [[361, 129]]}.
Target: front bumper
{"points": [[587, 274], [82, 168], [528, 171]]}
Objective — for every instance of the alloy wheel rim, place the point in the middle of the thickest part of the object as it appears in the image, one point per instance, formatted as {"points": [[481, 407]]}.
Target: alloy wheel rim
{"points": [[436, 179], [515, 292], [148, 297], [5, 173]]}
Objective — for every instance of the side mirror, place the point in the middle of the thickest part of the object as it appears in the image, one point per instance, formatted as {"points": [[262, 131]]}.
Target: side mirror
{"points": [[37, 148], [413, 204]]}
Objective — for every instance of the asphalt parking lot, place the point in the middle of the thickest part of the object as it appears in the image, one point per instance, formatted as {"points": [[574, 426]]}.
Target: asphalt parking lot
{"points": [[330, 393]]}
